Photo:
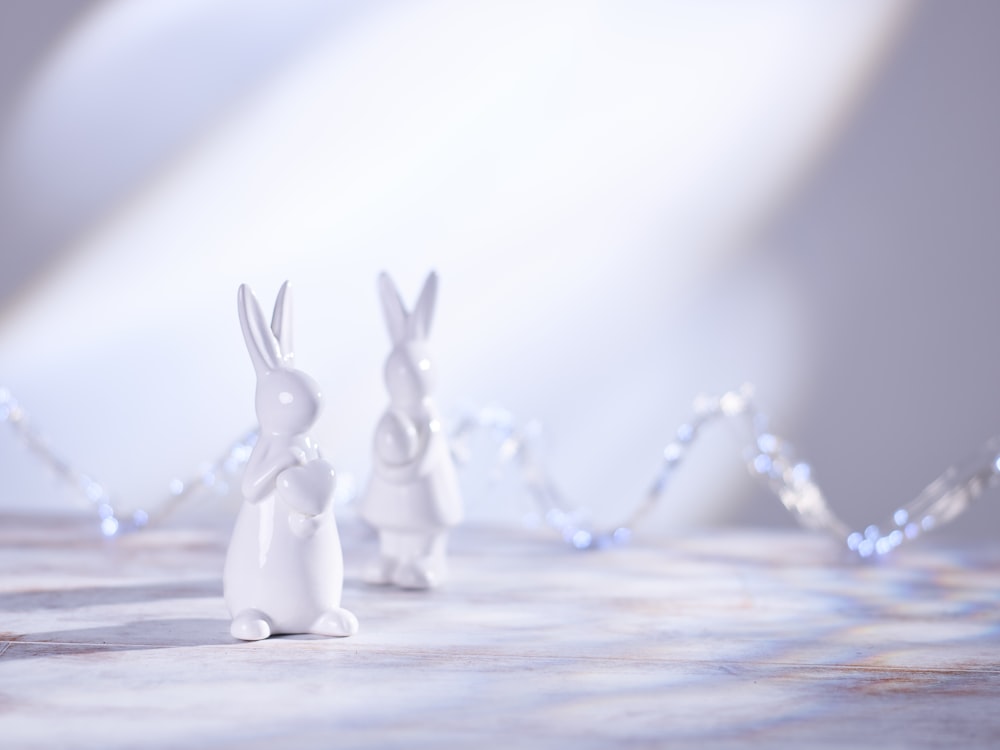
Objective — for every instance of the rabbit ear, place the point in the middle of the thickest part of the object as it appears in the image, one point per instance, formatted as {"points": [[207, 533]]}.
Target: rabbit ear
{"points": [[281, 322], [260, 341], [423, 313], [392, 306]]}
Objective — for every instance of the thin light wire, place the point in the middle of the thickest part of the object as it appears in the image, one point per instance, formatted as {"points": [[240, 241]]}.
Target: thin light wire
{"points": [[114, 520], [769, 457]]}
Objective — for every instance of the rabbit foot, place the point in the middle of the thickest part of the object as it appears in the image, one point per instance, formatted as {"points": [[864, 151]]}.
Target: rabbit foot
{"points": [[250, 625], [381, 571], [336, 622], [416, 574]]}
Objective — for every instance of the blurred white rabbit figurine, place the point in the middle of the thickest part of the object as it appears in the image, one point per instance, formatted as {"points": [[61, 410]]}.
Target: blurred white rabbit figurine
{"points": [[412, 498], [284, 568]]}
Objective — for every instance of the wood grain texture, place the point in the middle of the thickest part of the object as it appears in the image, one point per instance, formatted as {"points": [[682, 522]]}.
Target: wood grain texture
{"points": [[721, 640]]}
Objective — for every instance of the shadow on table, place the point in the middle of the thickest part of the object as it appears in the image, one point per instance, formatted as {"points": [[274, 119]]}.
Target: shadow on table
{"points": [[28, 601], [139, 635], [136, 635]]}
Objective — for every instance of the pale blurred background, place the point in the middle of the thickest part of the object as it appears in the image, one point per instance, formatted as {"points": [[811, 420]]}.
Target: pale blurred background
{"points": [[628, 203]]}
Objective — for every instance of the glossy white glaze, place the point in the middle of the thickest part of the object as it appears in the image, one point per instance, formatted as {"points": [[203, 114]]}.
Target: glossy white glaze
{"points": [[412, 497], [284, 568]]}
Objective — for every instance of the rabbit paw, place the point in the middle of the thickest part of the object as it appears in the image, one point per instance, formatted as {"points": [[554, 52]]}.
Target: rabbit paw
{"points": [[396, 438], [303, 526], [250, 625], [307, 489], [335, 622]]}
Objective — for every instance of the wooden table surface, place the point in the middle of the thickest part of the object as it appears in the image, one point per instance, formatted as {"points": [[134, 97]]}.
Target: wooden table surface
{"points": [[718, 640]]}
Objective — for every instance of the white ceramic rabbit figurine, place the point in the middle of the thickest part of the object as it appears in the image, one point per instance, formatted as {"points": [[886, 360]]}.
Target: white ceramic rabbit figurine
{"points": [[413, 497], [284, 568]]}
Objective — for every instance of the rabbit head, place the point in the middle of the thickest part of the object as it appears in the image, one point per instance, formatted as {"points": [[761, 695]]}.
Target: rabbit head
{"points": [[287, 400], [409, 375]]}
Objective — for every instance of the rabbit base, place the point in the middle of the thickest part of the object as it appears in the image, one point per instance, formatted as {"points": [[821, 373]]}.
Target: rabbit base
{"points": [[276, 581], [254, 625], [409, 560]]}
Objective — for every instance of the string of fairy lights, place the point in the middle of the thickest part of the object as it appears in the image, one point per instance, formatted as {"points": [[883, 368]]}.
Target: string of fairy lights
{"points": [[113, 519], [769, 458]]}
